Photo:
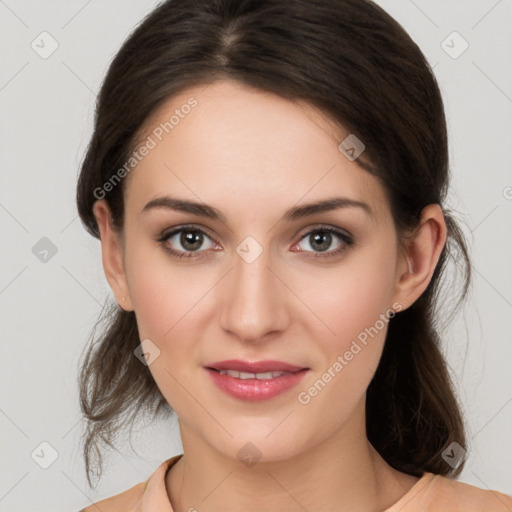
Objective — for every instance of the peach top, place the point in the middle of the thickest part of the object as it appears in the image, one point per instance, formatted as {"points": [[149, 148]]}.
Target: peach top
{"points": [[431, 493]]}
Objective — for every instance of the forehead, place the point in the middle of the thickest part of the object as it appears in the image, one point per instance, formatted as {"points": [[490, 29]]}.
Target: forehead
{"points": [[239, 147]]}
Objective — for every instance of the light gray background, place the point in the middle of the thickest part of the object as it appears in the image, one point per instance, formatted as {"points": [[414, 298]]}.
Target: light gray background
{"points": [[48, 309]]}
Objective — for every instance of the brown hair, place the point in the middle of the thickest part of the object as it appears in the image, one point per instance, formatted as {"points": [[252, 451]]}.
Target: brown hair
{"points": [[350, 59]]}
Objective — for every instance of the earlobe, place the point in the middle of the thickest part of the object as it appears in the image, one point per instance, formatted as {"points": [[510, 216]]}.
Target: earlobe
{"points": [[112, 255], [418, 261]]}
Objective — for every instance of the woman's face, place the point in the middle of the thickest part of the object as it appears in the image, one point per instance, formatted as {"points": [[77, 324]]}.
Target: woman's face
{"points": [[254, 283]]}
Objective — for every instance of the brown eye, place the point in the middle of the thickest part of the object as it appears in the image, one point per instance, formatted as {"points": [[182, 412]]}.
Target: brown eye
{"points": [[321, 239], [191, 240], [184, 241]]}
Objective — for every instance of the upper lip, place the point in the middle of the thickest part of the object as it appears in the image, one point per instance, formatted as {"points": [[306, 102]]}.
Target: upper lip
{"points": [[254, 367]]}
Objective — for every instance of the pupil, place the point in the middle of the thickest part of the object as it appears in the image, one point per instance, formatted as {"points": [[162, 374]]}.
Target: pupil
{"points": [[187, 239], [325, 236]]}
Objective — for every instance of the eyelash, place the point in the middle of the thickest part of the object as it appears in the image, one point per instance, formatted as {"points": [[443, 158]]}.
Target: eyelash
{"points": [[346, 238]]}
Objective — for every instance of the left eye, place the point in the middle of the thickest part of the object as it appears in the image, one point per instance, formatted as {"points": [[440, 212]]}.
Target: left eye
{"points": [[320, 240]]}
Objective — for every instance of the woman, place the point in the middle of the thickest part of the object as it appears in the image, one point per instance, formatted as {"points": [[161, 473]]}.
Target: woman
{"points": [[268, 180]]}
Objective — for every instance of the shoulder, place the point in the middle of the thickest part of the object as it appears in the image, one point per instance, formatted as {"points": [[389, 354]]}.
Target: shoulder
{"points": [[127, 501], [469, 498], [436, 492], [148, 495]]}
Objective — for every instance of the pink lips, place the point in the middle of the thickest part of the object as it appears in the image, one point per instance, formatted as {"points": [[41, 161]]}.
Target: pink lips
{"points": [[255, 389], [257, 367]]}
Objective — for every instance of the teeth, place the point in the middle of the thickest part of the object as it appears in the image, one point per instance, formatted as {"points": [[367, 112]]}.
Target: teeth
{"points": [[246, 375]]}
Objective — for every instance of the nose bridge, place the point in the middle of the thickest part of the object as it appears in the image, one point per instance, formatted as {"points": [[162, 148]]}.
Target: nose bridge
{"points": [[254, 304]]}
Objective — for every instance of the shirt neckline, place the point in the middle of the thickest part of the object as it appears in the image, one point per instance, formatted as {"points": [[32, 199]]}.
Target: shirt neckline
{"points": [[155, 493], [418, 487]]}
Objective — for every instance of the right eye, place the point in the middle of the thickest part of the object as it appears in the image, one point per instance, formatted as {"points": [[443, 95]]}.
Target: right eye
{"points": [[190, 238]]}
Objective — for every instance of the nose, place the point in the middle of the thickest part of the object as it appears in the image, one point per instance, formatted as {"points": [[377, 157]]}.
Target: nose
{"points": [[254, 303]]}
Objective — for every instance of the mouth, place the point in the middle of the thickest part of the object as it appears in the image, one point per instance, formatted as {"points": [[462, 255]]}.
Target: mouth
{"points": [[250, 375], [255, 381], [259, 369]]}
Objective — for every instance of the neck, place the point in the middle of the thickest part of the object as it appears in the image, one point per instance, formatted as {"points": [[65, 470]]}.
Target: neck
{"points": [[342, 472]]}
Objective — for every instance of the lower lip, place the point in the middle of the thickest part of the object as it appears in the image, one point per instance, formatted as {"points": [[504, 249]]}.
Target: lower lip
{"points": [[255, 389]]}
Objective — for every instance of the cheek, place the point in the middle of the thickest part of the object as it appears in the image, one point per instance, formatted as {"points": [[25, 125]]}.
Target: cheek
{"points": [[347, 300], [168, 300], [350, 358], [172, 300], [353, 301], [159, 292]]}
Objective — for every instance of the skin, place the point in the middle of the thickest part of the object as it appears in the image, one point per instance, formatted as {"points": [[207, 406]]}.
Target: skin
{"points": [[252, 155]]}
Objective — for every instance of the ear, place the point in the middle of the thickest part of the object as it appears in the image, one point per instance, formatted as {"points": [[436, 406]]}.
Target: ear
{"points": [[418, 260], [112, 255]]}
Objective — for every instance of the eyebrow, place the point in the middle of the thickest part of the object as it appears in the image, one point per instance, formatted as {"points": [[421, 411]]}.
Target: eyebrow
{"points": [[292, 214]]}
